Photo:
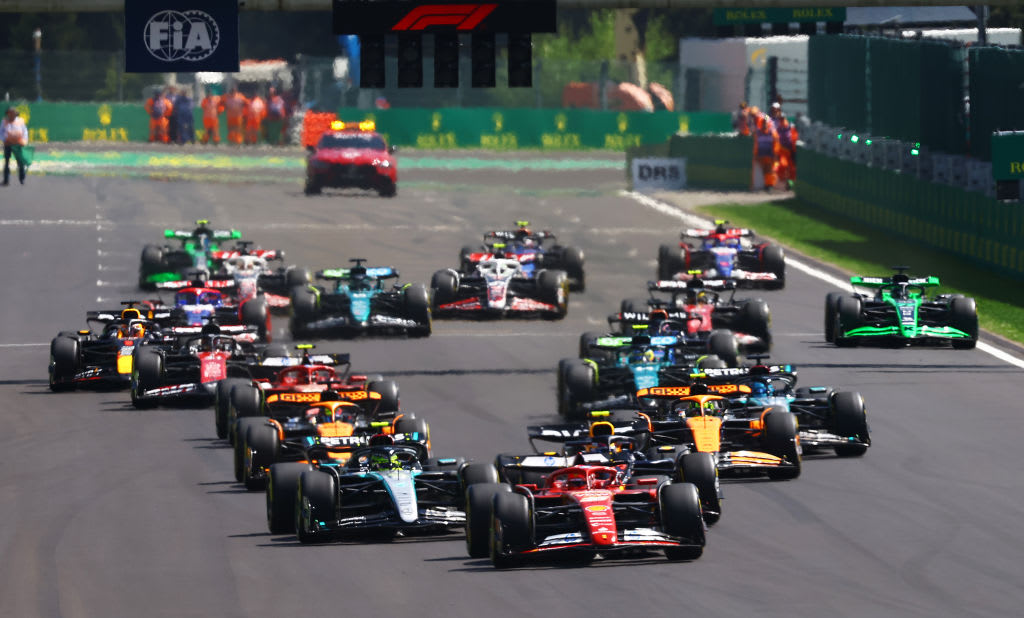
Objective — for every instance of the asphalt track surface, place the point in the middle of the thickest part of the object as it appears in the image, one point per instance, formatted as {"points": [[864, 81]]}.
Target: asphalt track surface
{"points": [[109, 511]]}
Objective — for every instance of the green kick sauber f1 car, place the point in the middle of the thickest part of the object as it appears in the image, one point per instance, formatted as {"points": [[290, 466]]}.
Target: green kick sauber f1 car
{"points": [[900, 312], [196, 253]]}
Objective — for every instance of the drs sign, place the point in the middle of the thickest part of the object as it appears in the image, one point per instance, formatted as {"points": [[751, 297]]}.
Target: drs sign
{"points": [[181, 36], [652, 174]]}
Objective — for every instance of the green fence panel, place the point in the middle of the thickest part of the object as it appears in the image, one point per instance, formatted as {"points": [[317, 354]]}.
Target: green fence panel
{"points": [[501, 129], [715, 161], [983, 230], [997, 100]]}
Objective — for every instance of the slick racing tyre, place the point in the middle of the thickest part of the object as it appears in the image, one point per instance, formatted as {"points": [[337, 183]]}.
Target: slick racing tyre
{"points": [[414, 429], [572, 262], [773, 260], [245, 401], [553, 288], [388, 391], [781, 440], [222, 404], [512, 528], [296, 276], [417, 308], [262, 447], [466, 264], [444, 285], [963, 315], [316, 501], [756, 319], [849, 420], [255, 313], [831, 315], [479, 498], [681, 518], [282, 488], [64, 354], [304, 309], [578, 386], [723, 344], [147, 373], [670, 263], [848, 311], [477, 473], [699, 469], [240, 432]]}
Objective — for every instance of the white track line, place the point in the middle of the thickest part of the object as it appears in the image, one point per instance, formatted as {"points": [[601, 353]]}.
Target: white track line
{"points": [[695, 221]]}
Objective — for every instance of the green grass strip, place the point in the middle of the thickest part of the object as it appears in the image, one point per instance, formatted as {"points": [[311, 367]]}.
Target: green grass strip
{"points": [[865, 250]]}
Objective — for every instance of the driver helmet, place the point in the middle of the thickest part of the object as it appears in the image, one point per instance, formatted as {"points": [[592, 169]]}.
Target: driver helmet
{"points": [[383, 460], [900, 291], [761, 389], [137, 330], [576, 482]]}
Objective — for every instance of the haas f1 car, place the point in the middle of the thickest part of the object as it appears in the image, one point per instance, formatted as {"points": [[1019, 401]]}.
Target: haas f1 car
{"points": [[724, 253], [900, 312], [360, 304], [499, 287], [536, 251]]}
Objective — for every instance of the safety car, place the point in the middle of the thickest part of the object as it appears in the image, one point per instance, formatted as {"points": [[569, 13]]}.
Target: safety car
{"points": [[352, 155]]}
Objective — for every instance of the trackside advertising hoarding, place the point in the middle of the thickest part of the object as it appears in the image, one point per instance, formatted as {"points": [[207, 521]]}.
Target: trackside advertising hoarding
{"points": [[180, 36]]}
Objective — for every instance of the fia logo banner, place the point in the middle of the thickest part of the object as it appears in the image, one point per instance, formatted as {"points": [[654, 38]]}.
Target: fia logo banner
{"points": [[181, 36]]}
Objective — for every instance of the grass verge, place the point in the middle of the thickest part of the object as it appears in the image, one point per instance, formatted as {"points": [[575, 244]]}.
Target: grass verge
{"points": [[866, 250]]}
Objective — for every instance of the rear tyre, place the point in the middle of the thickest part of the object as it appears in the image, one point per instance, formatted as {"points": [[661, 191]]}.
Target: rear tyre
{"points": [[781, 440], [831, 307], [757, 320], [417, 308], [479, 498], [511, 528], [147, 373], [681, 517], [315, 501], [848, 312], [262, 447], [773, 260], [388, 391], [304, 309], [586, 340], [255, 313], [416, 428], [699, 469], [64, 355], [579, 387], [723, 344], [245, 401], [222, 404], [240, 432], [572, 262], [445, 285], [963, 315], [282, 488], [670, 263], [553, 288], [850, 421], [297, 276]]}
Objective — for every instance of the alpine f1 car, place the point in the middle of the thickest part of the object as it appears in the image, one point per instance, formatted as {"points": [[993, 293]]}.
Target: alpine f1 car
{"points": [[827, 417], [534, 250], [352, 155], [194, 256], [900, 312], [499, 287], [264, 441], [617, 367], [584, 510], [384, 488], [360, 304], [724, 253]]}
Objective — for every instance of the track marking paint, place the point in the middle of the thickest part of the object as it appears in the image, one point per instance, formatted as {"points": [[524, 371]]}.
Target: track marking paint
{"points": [[695, 221]]}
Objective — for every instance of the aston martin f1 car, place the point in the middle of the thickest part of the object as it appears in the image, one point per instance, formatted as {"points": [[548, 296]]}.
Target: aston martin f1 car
{"points": [[900, 312], [360, 304], [724, 253], [536, 251], [384, 488], [500, 288], [584, 510], [617, 367]]}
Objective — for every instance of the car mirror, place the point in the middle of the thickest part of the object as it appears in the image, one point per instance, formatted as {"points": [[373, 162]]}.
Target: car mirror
{"points": [[392, 149]]}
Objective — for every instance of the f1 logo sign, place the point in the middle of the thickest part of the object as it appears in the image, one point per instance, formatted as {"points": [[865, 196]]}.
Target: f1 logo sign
{"points": [[462, 16]]}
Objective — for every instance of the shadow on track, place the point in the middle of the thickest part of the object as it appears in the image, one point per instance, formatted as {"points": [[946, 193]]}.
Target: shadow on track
{"points": [[471, 372]]}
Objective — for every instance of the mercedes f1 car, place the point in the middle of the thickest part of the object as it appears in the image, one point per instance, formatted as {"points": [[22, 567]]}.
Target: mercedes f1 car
{"points": [[900, 312], [724, 253], [534, 250], [584, 510], [384, 488], [499, 287], [360, 304]]}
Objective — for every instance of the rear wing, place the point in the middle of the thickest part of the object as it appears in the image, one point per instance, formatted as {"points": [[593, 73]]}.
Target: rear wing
{"points": [[214, 234], [639, 320], [693, 284], [732, 373], [105, 316], [731, 231], [675, 392], [382, 272], [878, 282], [266, 254], [313, 359], [318, 396], [217, 284], [614, 343]]}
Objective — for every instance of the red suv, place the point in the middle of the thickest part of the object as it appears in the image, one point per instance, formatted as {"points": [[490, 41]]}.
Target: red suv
{"points": [[352, 154]]}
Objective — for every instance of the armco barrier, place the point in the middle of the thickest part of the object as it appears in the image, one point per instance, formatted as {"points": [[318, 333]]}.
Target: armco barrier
{"points": [[487, 128], [981, 229]]}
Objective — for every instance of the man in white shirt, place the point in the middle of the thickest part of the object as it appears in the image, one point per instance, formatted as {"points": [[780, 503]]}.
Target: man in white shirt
{"points": [[14, 135]]}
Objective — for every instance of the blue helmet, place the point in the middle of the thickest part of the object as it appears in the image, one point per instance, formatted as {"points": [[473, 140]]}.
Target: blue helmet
{"points": [[761, 389]]}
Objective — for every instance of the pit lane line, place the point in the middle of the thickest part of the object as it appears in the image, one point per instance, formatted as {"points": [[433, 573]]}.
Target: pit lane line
{"points": [[695, 221]]}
